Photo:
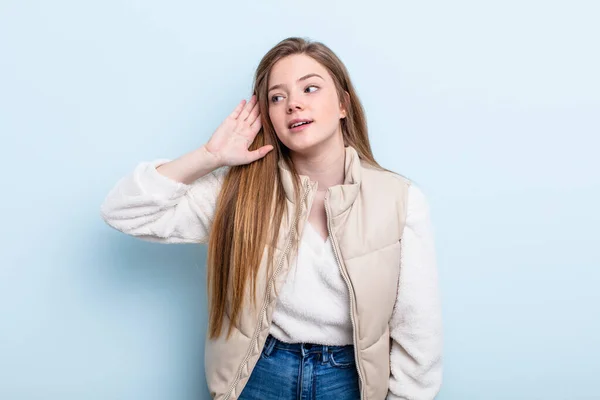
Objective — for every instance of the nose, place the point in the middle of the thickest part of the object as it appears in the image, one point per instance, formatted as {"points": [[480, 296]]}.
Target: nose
{"points": [[293, 105]]}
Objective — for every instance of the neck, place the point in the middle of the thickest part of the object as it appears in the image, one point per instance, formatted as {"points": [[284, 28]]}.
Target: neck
{"points": [[325, 166]]}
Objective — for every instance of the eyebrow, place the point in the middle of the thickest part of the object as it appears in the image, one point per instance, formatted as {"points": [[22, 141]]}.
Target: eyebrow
{"points": [[301, 79]]}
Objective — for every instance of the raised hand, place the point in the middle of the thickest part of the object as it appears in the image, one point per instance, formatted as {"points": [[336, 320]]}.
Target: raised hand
{"points": [[230, 142]]}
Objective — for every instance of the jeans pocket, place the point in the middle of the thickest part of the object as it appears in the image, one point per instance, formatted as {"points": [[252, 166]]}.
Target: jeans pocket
{"points": [[268, 355], [269, 348], [342, 358]]}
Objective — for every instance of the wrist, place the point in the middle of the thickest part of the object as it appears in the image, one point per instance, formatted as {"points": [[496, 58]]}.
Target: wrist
{"points": [[213, 158]]}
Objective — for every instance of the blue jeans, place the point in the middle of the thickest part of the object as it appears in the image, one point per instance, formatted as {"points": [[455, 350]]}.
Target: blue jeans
{"points": [[303, 372]]}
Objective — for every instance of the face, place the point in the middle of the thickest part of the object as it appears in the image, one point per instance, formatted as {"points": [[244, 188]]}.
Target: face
{"points": [[301, 89]]}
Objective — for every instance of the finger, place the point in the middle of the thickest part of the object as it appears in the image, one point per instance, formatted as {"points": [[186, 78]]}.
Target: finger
{"points": [[253, 115], [254, 110], [238, 109], [249, 106], [260, 152], [255, 126]]}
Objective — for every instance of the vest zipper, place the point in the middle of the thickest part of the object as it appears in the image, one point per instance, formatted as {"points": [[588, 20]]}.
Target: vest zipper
{"points": [[351, 292], [267, 295]]}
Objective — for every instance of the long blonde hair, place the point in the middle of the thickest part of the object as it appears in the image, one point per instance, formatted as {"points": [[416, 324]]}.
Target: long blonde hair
{"points": [[250, 207]]}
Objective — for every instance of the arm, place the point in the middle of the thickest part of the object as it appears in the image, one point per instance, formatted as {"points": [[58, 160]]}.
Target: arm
{"points": [[416, 323], [155, 207], [174, 201]]}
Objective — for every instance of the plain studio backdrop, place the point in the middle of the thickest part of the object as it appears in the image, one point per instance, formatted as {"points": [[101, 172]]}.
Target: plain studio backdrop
{"points": [[492, 107]]}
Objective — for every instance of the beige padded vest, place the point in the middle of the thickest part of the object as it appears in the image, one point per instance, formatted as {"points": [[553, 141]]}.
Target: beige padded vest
{"points": [[365, 219]]}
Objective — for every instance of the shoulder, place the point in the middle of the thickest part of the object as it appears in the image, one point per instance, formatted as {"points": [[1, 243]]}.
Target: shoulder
{"points": [[389, 184], [418, 205], [384, 182], [371, 172]]}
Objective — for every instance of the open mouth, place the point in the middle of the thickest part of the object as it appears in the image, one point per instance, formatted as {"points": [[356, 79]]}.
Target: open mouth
{"points": [[299, 125]]}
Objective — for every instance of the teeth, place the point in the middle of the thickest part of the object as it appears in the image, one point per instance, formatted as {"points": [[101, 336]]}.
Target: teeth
{"points": [[298, 124]]}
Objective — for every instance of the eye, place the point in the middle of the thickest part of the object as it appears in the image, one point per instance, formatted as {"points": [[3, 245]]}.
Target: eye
{"points": [[274, 98]]}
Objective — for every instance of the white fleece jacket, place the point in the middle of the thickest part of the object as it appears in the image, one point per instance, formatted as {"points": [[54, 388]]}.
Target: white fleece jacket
{"points": [[313, 306], [153, 207]]}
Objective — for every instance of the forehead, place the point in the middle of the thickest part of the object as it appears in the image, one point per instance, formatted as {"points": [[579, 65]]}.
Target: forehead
{"points": [[290, 68]]}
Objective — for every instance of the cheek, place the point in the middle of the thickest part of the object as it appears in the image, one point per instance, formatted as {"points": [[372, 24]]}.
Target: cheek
{"points": [[275, 116], [278, 121], [329, 107]]}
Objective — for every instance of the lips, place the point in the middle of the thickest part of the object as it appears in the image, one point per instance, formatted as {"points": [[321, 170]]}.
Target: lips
{"points": [[299, 120]]}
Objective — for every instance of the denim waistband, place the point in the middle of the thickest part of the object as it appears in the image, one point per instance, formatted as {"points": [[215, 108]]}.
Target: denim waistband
{"points": [[304, 348]]}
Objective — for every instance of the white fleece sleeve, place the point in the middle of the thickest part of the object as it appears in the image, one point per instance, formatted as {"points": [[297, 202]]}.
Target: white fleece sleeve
{"points": [[153, 207], [416, 323]]}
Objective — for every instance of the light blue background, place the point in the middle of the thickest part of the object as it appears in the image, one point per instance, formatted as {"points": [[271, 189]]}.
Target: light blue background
{"points": [[491, 106]]}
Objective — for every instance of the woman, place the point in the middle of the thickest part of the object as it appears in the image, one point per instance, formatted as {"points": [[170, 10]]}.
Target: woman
{"points": [[322, 281]]}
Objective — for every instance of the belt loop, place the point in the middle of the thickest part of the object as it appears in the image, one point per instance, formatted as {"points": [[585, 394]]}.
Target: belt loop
{"points": [[325, 354], [269, 345]]}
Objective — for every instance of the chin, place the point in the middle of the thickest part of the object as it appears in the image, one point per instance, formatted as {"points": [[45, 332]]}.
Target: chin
{"points": [[303, 144], [307, 141]]}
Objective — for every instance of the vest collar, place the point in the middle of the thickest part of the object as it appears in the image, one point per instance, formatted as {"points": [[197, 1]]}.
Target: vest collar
{"points": [[340, 197]]}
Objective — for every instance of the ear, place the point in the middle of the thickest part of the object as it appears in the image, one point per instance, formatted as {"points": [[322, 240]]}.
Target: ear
{"points": [[343, 112]]}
